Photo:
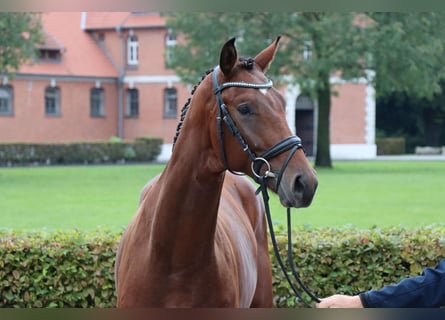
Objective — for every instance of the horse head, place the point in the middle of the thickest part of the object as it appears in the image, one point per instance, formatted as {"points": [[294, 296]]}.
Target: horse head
{"points": [[261, 143]]}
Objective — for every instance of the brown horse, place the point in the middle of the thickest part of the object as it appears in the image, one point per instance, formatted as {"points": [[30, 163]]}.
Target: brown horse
{"points": [[199, 237]]}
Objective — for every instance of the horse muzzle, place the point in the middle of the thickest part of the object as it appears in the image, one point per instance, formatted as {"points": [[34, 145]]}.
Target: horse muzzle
{"points": [[298, 190]]}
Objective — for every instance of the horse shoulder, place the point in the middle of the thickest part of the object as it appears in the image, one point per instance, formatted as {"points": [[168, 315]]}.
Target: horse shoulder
{"points": [[251, 203], [253, 207]]}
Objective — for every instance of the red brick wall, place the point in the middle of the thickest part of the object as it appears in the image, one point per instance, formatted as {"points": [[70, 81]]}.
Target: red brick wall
{"points": [[151, 51], [30, 124], [348, 114], [151, 121]]}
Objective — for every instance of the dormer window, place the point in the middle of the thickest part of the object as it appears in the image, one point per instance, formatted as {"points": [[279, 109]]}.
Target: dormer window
{"points": [[51, 49], [132, 50], [50, 55]]}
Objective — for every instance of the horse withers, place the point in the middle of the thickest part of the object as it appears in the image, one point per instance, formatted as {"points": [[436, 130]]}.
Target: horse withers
{"points": [[199, 236]]}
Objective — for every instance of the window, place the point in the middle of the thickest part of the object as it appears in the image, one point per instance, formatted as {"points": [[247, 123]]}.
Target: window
{"points": [[170, 38], [132, 103], [170, 103], [5, 100], [132, 50], [50, 55], [97, 102], [52, 101], [307, 50], [170, 43]]}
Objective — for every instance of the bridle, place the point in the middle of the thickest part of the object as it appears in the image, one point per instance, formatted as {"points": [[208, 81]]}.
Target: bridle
{"points": [[292, 143]]}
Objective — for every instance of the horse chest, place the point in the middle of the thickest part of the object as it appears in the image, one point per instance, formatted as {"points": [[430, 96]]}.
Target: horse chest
{"points": [[228, 281]]}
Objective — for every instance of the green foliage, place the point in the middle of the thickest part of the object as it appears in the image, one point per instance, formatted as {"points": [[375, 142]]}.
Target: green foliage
{"points": [[334, 41], [348, 261], [386, 146], [20, 33], [419, 121], [146, 148], [76, 269], [405, 50], [143, 149], [70, 269], [408, 52]]}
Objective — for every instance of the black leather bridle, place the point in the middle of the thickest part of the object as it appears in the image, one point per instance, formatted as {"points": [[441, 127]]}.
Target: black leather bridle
{"points": [[292, 143]]}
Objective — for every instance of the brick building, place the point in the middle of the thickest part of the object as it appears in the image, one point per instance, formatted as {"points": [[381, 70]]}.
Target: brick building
{"points": [[101, 75]]}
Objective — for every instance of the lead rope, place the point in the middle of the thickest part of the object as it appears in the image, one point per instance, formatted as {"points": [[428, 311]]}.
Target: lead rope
{"points": [[265, 194], [292, 142], [291, 261]]}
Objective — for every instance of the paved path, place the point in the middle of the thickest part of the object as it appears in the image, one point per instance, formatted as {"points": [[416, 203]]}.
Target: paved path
{"points": [[412, 157]]}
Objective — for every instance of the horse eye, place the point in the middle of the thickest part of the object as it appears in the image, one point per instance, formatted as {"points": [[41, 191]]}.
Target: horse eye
{"points": [[244, 109]]}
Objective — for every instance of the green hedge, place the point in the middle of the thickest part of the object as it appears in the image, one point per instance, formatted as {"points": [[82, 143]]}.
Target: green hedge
{"points": [[349, 261], [390, 145], [75, 269], [142, 149], [60, 269]]}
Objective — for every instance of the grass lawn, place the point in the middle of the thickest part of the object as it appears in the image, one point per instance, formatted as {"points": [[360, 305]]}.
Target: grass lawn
{"points": [[377, 193], [359, 193], [83, 197]]}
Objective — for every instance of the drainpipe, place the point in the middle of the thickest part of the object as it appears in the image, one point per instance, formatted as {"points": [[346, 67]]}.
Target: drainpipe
{"points": [[120, 87], [120, 108]]}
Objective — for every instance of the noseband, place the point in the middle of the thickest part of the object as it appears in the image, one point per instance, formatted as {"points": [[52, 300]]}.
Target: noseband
{"points": [[292, 143]]}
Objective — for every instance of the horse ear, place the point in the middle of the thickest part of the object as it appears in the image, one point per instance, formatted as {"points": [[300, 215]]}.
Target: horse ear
{"points": [[228, 57], [265, 57]]}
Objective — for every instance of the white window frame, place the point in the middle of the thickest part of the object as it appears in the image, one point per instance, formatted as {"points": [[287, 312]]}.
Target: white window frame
{"points": [[307, 50], [170, 38], [170, 42], [132, 50]]}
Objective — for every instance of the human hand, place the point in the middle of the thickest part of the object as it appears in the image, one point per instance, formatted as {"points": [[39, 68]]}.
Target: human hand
{"points": [[340, 301]]}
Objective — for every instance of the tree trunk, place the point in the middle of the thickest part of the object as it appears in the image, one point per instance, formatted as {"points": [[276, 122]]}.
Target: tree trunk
{"points": [[323, 155]]}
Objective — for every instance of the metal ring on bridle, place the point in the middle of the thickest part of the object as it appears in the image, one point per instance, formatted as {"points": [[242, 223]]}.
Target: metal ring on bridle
{"points": [[267, 173]]}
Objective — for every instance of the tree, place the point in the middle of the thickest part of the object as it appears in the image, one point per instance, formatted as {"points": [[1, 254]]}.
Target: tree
{"points": [[337, 43], [410, 76], [419, 120], [349, 44], [408, 52], [20, 32]]}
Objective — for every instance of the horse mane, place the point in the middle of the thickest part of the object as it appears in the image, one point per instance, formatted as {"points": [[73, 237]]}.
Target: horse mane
{"points": [[248, 65]]}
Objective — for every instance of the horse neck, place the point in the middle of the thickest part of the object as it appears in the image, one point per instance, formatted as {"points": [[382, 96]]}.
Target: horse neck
{"points": [[188, 191]]}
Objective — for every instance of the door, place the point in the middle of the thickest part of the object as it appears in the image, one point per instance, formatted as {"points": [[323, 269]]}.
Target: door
{"points": [[304, 122]]}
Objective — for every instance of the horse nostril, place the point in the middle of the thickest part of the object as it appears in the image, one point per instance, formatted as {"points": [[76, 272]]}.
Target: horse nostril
{"points": [[299, 184]]}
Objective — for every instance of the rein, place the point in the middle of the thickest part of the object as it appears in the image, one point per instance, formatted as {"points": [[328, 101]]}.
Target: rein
{"points": [[292, 143]]}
